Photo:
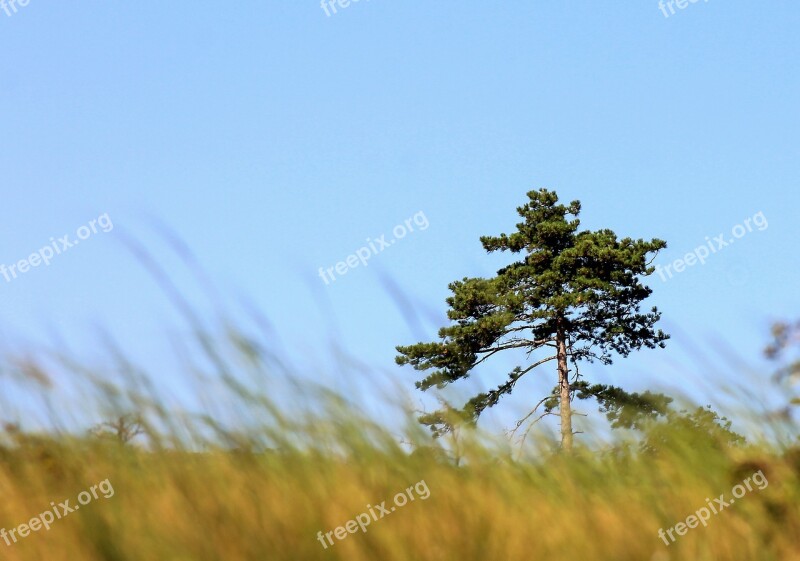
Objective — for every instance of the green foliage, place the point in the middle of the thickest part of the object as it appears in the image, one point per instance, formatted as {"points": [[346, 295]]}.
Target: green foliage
{"points": [[785, 340], [622, 409], [701, 429], [578, 287], [652, 414]]}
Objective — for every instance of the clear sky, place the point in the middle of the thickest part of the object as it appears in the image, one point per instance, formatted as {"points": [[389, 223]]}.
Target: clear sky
{"points": [[275, 139]]}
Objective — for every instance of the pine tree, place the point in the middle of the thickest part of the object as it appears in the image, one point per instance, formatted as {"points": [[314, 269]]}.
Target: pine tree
{"points": [[575, 294]]}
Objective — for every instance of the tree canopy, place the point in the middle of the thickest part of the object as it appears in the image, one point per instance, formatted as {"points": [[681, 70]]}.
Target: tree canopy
{"points": [[574, 293]]}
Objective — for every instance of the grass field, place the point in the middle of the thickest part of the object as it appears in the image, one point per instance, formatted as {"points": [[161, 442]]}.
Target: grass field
{"points": [[287, 486]]}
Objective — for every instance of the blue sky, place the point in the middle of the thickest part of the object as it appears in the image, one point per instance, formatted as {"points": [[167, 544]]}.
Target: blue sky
{"points": [[275, 140]]}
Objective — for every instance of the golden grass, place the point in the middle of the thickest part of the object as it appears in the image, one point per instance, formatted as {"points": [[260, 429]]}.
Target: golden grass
{"points": [[264, 492], [222, 504]]}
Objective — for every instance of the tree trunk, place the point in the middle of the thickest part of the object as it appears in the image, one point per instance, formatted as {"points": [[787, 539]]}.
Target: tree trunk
{"points": [[565, 409]]}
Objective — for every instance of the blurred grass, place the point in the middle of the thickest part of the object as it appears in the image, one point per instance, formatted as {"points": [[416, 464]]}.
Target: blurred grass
{"points": [[224, 504], [256, 472], [263, 491]]}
